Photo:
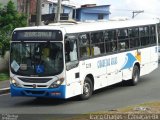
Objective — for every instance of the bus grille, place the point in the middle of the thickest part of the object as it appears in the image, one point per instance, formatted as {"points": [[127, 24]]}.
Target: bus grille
{"points": [[35, 80], [38, 86]]}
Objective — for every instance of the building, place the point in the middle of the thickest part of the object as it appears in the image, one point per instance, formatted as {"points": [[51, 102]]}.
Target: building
{"points": [[68, 11], [49, 7], [22, 6], [92, 12]]}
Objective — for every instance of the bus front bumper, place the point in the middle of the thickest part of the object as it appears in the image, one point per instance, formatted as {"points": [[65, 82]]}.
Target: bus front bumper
{"points": [[38, 92]]}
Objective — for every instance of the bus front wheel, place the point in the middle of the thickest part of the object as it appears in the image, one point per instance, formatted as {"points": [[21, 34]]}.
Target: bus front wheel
{"points": [[87, 89], [135, 76]]}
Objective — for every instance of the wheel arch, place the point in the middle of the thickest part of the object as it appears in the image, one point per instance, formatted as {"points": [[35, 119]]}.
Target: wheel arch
{"points": [[92, 79], [135, 75]]}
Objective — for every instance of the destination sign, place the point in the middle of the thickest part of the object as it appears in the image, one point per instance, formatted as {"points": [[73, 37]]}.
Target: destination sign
{"points": [[37, 35]]}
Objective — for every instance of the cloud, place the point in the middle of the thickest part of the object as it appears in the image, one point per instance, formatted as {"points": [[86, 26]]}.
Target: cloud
{"points": [[150, 7]]}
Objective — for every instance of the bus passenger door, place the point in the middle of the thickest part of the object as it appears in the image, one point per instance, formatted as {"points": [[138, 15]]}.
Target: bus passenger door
{"points": [[72, 67]]}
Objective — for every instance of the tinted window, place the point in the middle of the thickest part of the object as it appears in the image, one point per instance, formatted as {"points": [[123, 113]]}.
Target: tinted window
{"points": [[153, 34], [134, 37], [84, 45], [123, 39], [144, 35], [71, 53], [110, 38], [97, 43]]}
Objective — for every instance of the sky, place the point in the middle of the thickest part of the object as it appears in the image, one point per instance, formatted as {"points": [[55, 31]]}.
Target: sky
{"points": [[124, 8]]}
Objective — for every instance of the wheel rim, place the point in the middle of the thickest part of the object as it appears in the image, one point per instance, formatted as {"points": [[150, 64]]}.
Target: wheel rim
{"points": [[86, 89]]}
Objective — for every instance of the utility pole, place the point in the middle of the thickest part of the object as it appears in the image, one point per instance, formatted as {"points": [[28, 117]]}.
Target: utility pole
{"points": [[58, 14], [27, 11], [135, 13], [38, 12]]}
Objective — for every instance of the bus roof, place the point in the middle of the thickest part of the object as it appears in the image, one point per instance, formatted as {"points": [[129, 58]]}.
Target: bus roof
{"points": [[91, 26]]}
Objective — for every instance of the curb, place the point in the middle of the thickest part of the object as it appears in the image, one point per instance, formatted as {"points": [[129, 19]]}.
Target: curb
{"points": [[4, 91]]}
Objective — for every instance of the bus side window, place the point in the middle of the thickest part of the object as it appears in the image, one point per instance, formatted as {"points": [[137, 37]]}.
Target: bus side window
{"points": [[158, 28], [84, 40], [134, 37], [153, 34], [123, 39], [71, 49], [97, 43], [144, 35], [73, 52], [110, 38]]}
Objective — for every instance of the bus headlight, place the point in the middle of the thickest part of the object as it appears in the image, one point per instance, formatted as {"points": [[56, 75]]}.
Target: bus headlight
{"points": [[15, 83], [56, 83]]}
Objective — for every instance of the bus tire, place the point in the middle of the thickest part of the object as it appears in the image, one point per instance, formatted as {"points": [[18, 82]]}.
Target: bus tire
{"points": [[135, 76], [87, 89]]}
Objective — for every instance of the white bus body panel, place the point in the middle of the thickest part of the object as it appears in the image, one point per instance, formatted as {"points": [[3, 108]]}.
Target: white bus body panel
{"points": [[111, 69], [73, 84]]}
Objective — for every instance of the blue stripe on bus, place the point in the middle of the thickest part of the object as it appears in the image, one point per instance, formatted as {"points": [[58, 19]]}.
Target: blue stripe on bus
{"points": [[129, 61], [38, 92]]}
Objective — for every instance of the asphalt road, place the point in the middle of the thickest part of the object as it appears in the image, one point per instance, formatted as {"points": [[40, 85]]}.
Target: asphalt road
{"points": [[105, 99]]}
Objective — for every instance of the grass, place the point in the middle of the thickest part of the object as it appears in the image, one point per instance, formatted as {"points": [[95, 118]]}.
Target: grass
{"points": [[150, 109], [153, 107], [4, 76]]}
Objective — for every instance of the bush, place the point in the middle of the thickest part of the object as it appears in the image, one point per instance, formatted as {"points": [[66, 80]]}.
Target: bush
{"points": [[9, 20]]}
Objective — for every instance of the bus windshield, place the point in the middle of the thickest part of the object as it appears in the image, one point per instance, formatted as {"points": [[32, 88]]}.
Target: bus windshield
{"points": [[36, 59]]}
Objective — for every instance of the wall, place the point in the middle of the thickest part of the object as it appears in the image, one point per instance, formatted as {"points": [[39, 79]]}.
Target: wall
{"points": [[21, 6], [4, 62], [45, 8], [69, 11], [88, 13]]}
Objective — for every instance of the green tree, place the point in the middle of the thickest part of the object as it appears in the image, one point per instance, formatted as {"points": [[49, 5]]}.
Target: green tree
{"points": [[9, 20]]}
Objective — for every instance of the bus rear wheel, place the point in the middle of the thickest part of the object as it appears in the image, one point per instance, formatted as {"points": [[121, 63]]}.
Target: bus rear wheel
{"points": [[135, 76], [87, 89]]}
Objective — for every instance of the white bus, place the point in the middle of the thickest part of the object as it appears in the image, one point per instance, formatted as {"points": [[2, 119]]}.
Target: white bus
{"points": [[62, 61]]}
